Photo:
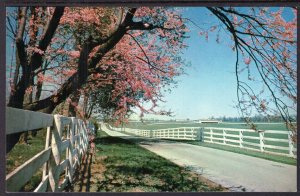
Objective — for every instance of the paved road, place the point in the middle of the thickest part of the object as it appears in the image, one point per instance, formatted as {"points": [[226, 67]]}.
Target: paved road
{"points": [[234, 171]]}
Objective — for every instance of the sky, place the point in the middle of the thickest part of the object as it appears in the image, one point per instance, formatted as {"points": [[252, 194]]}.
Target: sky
{"points": [[208, 89]]}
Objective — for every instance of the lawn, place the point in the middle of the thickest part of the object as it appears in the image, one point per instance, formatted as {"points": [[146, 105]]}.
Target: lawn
{"points": [[264, 126], [122, 166], [164, 125], [23, 152]]}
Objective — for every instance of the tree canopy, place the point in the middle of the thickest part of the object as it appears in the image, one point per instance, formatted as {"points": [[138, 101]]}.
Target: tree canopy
{"points": [[117, 58]]}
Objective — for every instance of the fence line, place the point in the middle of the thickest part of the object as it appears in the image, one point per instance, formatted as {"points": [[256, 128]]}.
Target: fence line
{"points": [[255, 140], [242, 138], [65, 146]]}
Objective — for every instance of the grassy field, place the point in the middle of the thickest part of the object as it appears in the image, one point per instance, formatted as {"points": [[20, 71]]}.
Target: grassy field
{"points": [[169, 124], [271, 126], [260, 126], [121, 166]]}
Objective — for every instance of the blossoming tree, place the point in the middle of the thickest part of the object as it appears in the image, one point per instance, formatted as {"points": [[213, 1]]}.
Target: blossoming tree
{"points": [[78, 50], [118, 58]]}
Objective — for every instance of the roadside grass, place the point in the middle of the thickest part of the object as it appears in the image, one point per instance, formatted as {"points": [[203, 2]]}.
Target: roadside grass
{"points": [[271, 157], [122, 166], [270, 126]]}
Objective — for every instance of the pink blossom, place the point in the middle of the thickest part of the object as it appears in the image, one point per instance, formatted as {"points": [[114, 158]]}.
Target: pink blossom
{"points": [[74, 54], [247, 60]]}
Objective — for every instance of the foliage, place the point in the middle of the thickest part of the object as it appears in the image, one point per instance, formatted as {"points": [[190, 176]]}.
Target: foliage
{"points": [[265, 45], [119, 58]]}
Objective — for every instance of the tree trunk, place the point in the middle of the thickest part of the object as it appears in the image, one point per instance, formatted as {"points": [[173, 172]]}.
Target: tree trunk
{"points": [[39, 85], [72, 106], [16, 74], [28, 97], [48, 104], [76, 81], [17, 97]]}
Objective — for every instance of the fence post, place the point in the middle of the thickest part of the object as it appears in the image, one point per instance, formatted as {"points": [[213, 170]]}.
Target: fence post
{"points": [[54, 160], [77, 141], [211, 135], [199, 135], [48, 138], [241, 138], [173, 133], [85, 137], [291, 144], [224, 136], [67, 169], [261, 141], [80, 149], [71, 148]]}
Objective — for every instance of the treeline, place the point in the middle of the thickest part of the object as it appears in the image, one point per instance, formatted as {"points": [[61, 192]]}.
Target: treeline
{"points": [[257, 118]]}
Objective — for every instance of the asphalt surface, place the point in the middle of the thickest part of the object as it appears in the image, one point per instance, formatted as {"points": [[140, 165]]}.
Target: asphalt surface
{"points": [[235, 171]]}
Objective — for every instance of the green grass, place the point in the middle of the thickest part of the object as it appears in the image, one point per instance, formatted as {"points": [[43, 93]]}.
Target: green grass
{"points": [[271, 126], [126, 167], [23, 152], [276, 158], [151, 126], [257, 141]]}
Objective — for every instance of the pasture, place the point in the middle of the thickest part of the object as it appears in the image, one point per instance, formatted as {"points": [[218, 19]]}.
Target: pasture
{"points": [[172, 124], [214, 135]]}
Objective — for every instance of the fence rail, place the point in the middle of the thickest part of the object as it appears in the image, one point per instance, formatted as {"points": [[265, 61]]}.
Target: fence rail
{"points": [[269, 141], [66, 144]]}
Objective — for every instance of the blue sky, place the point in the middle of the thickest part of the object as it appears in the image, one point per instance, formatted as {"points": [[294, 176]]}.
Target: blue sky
{"points": [[209, 86]]}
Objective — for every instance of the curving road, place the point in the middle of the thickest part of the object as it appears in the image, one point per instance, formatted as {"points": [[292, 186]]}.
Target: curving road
{"points": [[235, 171]]}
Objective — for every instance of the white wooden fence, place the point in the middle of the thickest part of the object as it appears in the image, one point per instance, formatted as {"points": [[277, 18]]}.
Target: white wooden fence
{"points": [[242, 138], [181, 133], [139, 132], [253, 140], [66, 144]]}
